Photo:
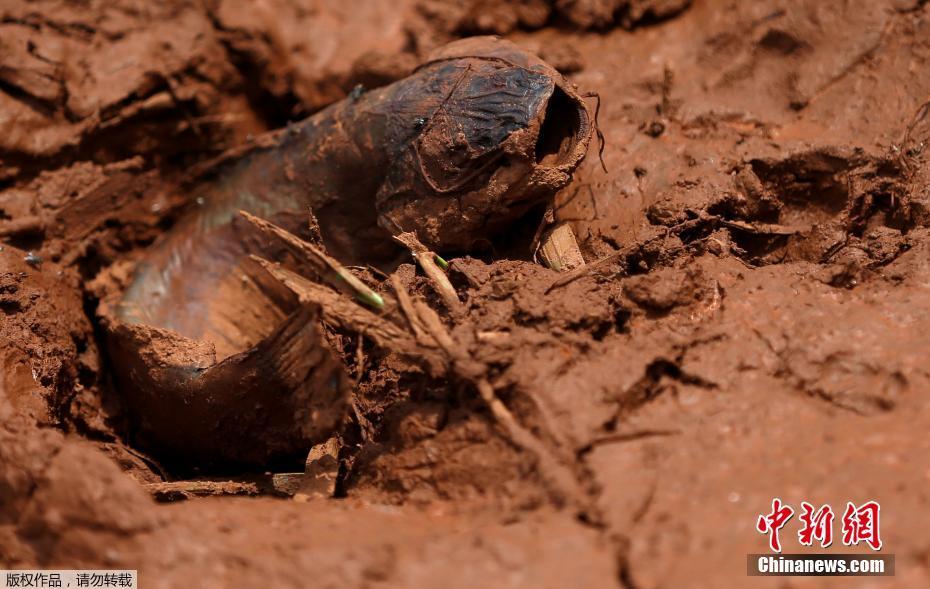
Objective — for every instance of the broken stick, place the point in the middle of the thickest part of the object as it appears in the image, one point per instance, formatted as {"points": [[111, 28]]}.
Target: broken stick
{"points": [[429, 261], [328, 268]]}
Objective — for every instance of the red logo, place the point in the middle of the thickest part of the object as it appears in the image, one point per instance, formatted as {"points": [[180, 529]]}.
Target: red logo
{"points": [[772, 523], [817, 526], [860, 524]]}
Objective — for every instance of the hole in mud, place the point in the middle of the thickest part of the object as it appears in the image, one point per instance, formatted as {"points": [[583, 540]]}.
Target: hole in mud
{"points": [[813, 186], [882, 210], [29, 241], [758, 248], [515, 241], [559, 129], [782, 42], [11, 307]]}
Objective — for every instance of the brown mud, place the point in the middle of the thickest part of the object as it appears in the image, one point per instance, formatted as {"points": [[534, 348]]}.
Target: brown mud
{"points": [[752, 321]]}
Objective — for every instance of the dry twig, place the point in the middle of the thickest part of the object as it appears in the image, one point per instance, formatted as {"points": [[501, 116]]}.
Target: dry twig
{"points": [[327, 267], [429, 262]]}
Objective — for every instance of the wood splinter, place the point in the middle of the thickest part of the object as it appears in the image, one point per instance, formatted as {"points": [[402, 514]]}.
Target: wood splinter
{"points": [[559, 249], [430, 262]]}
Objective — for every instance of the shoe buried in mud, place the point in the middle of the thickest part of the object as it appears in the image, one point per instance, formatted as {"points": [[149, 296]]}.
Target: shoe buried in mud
{"points": [[219, 367]]}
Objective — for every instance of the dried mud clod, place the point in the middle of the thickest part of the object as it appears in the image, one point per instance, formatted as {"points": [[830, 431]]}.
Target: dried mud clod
{"points": [[49, 365], [825, 205]]}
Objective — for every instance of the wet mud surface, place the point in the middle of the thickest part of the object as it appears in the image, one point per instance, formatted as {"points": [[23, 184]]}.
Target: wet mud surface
{"points": [[752, 321]]}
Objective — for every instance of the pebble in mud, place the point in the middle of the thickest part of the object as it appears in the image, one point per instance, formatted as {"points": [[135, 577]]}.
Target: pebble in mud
{"points": [[33, 259]]}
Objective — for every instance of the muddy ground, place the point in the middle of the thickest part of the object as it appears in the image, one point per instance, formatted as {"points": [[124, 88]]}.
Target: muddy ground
{"points": [[760, 326]]}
